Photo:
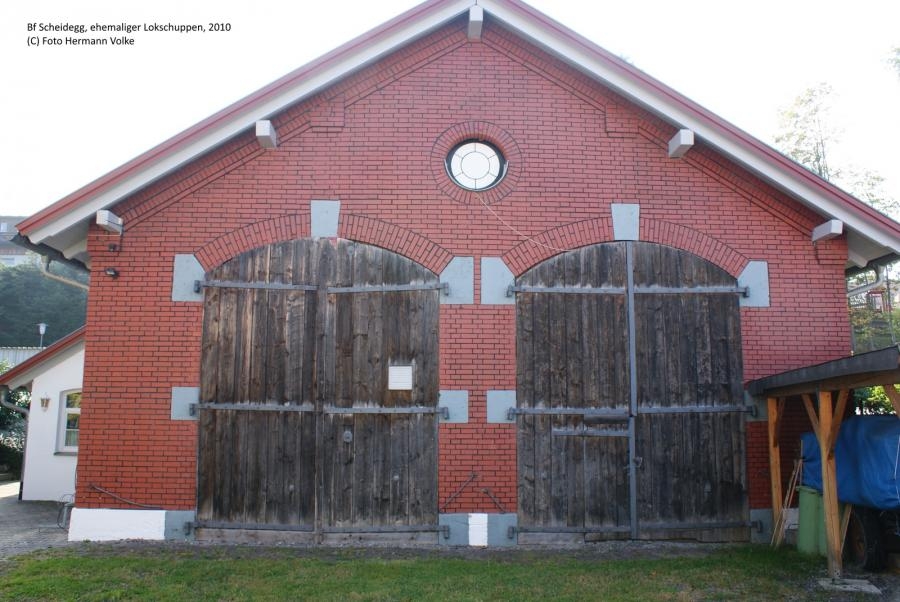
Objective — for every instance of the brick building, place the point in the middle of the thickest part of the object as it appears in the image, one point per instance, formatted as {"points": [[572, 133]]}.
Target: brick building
{"points": [[468, 278]]}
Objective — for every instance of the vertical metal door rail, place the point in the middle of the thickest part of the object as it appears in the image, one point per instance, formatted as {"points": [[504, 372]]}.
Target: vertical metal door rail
{"points": [[632, 390]]}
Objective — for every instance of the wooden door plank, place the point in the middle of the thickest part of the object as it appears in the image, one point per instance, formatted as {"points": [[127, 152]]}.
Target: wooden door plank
{"points": [[276, 335]]}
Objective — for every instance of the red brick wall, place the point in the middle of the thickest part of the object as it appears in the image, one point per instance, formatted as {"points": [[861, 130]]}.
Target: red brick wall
{"points": [[370, 141]]}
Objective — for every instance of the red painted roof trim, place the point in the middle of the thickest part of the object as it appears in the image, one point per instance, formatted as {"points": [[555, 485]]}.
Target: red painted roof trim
{"points": [[34, 361], [703, 114], [853, 204], [43, 217]]}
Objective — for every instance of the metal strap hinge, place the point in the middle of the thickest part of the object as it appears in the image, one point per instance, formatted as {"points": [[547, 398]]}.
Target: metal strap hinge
{"points": [[199, 285], [385, 410], [602, 414], [445, 412], [192, 409], [389, 288], [744, 291]]}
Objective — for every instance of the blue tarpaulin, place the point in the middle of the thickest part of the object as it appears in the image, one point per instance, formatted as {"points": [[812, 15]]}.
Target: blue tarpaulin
{"points": [[866, 455]]}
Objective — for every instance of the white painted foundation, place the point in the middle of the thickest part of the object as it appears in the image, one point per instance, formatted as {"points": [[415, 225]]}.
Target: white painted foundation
{"points": [[104, 524]]}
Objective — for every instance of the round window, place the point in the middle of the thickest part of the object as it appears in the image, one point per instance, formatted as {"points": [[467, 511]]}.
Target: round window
{"points": [[476, 165]]}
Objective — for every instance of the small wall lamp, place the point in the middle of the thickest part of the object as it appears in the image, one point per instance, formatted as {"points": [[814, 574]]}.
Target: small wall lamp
{"points": [[45, 402], [112, 272]]}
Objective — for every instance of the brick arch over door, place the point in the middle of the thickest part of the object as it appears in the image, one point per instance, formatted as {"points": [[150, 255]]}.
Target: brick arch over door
{"points": [[359, 228], [599, 230], [302, 427], [630, 415]]}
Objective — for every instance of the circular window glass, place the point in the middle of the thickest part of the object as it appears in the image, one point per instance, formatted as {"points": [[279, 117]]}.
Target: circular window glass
{"points": [[476, 165]]}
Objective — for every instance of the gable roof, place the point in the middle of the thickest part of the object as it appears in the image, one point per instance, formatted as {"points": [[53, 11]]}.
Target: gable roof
{"points": [[63, 225], [23, 373]]}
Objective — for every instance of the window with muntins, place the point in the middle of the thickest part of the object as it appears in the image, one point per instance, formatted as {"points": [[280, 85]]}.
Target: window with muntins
{"points": [[71, 416]]}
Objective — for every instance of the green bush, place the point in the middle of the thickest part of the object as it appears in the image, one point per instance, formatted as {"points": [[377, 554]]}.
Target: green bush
{"points": [[10, 455]]}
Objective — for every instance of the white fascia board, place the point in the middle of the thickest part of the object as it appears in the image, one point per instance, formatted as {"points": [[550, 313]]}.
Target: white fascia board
{"points": [[669, 110], [553, 41], [46, 366], [240, 122]]}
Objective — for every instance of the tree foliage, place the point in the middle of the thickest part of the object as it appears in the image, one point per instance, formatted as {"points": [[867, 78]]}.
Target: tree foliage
{"points": [[807, 136], [805, 133], [12, 429], [872, 400], [29, 298], [895, 60]]}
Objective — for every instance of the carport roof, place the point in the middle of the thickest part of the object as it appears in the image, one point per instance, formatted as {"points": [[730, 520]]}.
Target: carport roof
{"points": [[881, 367]]}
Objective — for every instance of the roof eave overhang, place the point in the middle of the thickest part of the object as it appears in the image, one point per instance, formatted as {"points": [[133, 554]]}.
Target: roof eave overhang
{"points": [[22, 374], [76, 210], [759, 158]]}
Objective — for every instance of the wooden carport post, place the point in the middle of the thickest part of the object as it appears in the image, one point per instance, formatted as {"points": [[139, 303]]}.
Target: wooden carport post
{"points": [[826, 427], [775, 408]]}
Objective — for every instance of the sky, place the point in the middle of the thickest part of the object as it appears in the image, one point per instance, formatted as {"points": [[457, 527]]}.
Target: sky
{"points": [[75, 113]]}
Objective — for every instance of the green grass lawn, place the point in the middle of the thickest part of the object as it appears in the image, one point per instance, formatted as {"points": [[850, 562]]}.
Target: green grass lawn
{"points": [[229, 573]]}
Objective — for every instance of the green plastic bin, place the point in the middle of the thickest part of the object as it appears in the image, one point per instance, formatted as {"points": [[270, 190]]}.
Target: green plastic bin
{"points": [[811, 527], [811, 538]]}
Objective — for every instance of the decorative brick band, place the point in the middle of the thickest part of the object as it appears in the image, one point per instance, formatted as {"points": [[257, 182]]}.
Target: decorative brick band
{"points": [[258, 234], [558, 240], [351, 227], [694, 241], [599, 230], [394, 238]]}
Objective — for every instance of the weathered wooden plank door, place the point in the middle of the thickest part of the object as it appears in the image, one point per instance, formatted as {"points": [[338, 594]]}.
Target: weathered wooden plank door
{"points": [[380, 437], [298, 428], [690, 427], [257, 432], [573, 376], [629, 392]]}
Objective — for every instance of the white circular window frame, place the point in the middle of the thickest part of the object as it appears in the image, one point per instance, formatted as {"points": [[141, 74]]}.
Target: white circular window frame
{"points": [[476, 165]]}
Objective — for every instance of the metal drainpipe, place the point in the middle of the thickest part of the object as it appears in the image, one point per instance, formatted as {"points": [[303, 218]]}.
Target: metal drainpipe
{"points": [[861, 290], [45, 269]]}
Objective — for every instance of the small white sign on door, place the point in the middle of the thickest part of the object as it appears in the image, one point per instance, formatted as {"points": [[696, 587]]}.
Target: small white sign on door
{"points": [[400, 378]]}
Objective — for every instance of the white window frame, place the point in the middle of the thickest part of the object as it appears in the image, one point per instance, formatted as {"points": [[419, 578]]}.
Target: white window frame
{"points": [[64, 413]]}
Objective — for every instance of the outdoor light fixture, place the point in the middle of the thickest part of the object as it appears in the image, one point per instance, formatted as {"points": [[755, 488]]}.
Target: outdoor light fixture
{"points": [[112, 272], [45, 402], [42, 329]]}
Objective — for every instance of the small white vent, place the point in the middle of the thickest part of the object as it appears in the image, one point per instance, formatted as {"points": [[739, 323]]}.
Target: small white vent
{"points": [[400, 378]]}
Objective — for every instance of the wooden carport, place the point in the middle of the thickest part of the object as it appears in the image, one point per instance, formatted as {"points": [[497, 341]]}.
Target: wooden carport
{"points": [[825, 387]]}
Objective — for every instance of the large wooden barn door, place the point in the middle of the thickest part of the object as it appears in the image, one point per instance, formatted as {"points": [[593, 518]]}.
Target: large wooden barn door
{"points": [[380, 396], [630, 423], [300, 428]]}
